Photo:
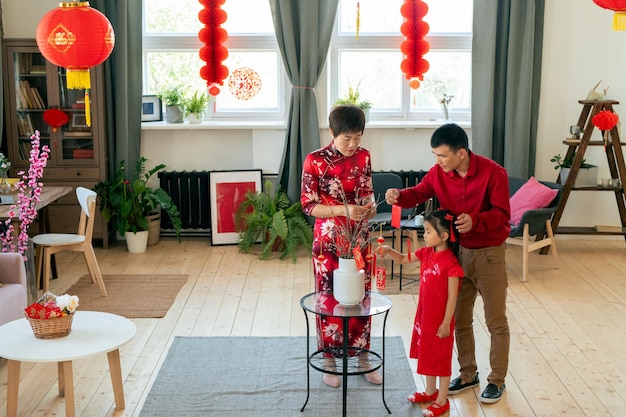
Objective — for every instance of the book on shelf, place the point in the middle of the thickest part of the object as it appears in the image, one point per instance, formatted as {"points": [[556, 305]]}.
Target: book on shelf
{"points": [[38, 98], [25, 148], [77, 133], [25, 87], [82, 153], [21, 100], [37, 69]]}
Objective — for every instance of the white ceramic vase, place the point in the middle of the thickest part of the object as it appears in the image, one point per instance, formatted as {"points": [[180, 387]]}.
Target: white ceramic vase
{"points": [[348, 282], [137, 242]]}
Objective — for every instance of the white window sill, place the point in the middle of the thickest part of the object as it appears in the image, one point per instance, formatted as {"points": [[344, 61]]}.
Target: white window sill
{"points": [[279, 125]]}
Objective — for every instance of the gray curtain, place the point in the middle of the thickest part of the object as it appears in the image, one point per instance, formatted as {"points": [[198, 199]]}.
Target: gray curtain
{"points": [[506, 78], [122, 78], [303, 30]]}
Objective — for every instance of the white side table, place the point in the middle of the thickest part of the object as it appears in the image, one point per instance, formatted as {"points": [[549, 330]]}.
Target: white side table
{"points": [[92, 332]]}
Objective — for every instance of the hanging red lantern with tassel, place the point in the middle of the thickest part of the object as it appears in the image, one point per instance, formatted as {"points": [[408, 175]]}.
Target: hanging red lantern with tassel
{"points": [[414, 47], [212, 35], [76, 37], [619, 7], [605, 120]]}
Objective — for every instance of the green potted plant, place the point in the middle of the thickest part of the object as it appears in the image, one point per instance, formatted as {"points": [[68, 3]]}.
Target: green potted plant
{"points": [[587, 174], [194, 107], [353, 96], [127, 201], [272, 219], [172, 98]]}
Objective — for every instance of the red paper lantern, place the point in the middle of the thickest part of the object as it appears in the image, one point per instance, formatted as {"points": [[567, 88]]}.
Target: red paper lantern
{"points": [[55, 118], [619, 6], [414, 47], [213, 36], [76, 37], [605, 120]]}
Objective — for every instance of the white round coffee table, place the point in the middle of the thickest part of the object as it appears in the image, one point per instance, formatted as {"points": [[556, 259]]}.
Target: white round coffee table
{"points": [[92, 332]]}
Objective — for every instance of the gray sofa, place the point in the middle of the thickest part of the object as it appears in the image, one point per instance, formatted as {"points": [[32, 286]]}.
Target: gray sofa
{"points": [[13, 292]]}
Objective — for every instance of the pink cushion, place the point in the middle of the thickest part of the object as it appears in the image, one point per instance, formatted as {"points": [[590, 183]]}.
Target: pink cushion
{"points": [[532, 195]]}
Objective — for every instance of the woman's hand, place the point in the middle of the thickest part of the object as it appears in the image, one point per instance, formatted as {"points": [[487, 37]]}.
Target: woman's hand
{"points": [[358, 213]]}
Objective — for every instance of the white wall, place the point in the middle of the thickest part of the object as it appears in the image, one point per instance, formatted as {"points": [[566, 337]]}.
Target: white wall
{"points": [[580, 48]]}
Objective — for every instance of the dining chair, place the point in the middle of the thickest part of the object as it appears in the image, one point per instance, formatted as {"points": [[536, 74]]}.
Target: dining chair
{"points": [[48, 244], [535, 220]]}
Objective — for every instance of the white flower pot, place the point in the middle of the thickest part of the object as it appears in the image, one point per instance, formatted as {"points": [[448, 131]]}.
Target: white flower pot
{"points": [[194, 118], [348, 282], [137, 242]]}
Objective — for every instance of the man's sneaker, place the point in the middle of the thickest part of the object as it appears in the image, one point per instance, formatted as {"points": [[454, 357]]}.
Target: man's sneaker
{"points": [[457, 385], [492, 394]]}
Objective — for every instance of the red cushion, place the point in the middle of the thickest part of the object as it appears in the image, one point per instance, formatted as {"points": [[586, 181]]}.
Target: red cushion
{"points": [[532, 195]]}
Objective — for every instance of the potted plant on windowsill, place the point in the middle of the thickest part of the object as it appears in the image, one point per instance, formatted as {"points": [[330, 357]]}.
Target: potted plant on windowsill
{"points": [[127, 201], [172, 98], [353, 96], [272, 219], [195, 106], [587, 174]]}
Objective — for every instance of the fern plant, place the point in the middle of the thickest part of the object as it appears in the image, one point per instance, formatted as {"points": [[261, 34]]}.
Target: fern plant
{"points": [[271, 219]]}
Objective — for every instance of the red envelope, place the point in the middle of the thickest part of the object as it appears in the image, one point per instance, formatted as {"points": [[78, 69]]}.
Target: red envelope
{"points": [[358, 258], [396, 214]]}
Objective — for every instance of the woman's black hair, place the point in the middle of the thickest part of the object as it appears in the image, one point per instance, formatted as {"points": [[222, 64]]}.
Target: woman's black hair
{"points": [[346, 118], [443, 221]]}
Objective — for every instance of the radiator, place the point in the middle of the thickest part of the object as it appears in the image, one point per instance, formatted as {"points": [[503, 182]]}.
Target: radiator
{"points": [[190, 192]]}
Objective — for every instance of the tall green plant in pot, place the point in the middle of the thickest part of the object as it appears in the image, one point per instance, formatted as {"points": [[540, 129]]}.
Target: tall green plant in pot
{"points": [[195, 106], [126, 199], [172, 98], [273, 220]]}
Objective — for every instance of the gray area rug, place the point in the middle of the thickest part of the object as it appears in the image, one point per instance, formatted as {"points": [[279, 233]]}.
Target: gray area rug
{"points": [[266, 376]]}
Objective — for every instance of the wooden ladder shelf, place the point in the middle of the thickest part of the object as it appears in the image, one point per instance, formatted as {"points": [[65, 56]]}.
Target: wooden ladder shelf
{"points": [[615, 157]]}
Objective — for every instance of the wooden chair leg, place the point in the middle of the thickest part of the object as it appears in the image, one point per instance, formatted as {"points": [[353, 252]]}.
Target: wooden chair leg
{"points": [[46, 268], [92, 265], [39, 258], [525, 254], [555, 255]]}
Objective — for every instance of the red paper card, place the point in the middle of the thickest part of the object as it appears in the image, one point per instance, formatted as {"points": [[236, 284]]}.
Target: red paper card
{"points": [[396, 213], [358, 258]]}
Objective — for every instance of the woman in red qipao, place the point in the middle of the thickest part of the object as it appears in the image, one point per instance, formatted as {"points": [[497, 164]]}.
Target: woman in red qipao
{"points": [[336, 189], [440, 280]]}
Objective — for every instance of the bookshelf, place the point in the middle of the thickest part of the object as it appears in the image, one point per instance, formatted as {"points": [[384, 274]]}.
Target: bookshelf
{"points": [[77, 151]]}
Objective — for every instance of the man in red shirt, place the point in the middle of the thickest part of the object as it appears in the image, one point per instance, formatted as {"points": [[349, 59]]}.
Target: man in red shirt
{"points": [[476, 190]]}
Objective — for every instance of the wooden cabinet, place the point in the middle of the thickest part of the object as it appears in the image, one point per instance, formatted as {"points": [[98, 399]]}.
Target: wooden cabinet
{"points": [[77, 150]]}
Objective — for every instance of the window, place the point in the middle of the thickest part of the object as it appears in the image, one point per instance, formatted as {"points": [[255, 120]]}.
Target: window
{"points": [[171, 45], [371, 62]]}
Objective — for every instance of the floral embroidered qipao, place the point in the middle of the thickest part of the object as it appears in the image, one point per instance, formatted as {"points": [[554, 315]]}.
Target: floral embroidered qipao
{"points": [[327, 178], [433, 354]]}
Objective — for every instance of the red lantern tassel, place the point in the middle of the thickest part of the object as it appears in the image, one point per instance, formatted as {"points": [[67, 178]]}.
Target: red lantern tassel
{"points": [[78, 79], [619, 21], [87, 109]]}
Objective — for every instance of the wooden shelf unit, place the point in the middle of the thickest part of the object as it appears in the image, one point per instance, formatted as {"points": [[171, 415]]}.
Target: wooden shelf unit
{"points": [[615, 159]]}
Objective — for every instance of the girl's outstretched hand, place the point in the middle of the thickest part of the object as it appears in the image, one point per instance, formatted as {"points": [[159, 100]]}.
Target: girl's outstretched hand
{"points": [[383, 250]]}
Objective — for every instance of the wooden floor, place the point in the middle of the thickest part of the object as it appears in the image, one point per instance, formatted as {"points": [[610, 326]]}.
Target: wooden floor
{"points": [[568, 341]]}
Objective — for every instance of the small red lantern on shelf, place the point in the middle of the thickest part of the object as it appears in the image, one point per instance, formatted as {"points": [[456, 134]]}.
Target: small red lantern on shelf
{"points": [[605, 120], [213, 36], [414, 47], [55, 118], [619, 7]]}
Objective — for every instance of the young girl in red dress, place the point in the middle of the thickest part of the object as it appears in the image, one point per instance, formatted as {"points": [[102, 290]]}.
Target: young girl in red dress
{"points": [[433, 336]]}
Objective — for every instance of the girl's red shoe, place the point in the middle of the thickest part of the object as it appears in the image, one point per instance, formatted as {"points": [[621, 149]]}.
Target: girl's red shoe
{"points": [[435, 410], [422, 397]]}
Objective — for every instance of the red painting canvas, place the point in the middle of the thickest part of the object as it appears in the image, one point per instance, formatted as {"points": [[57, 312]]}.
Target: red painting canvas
{"points": [[229, 195]]}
